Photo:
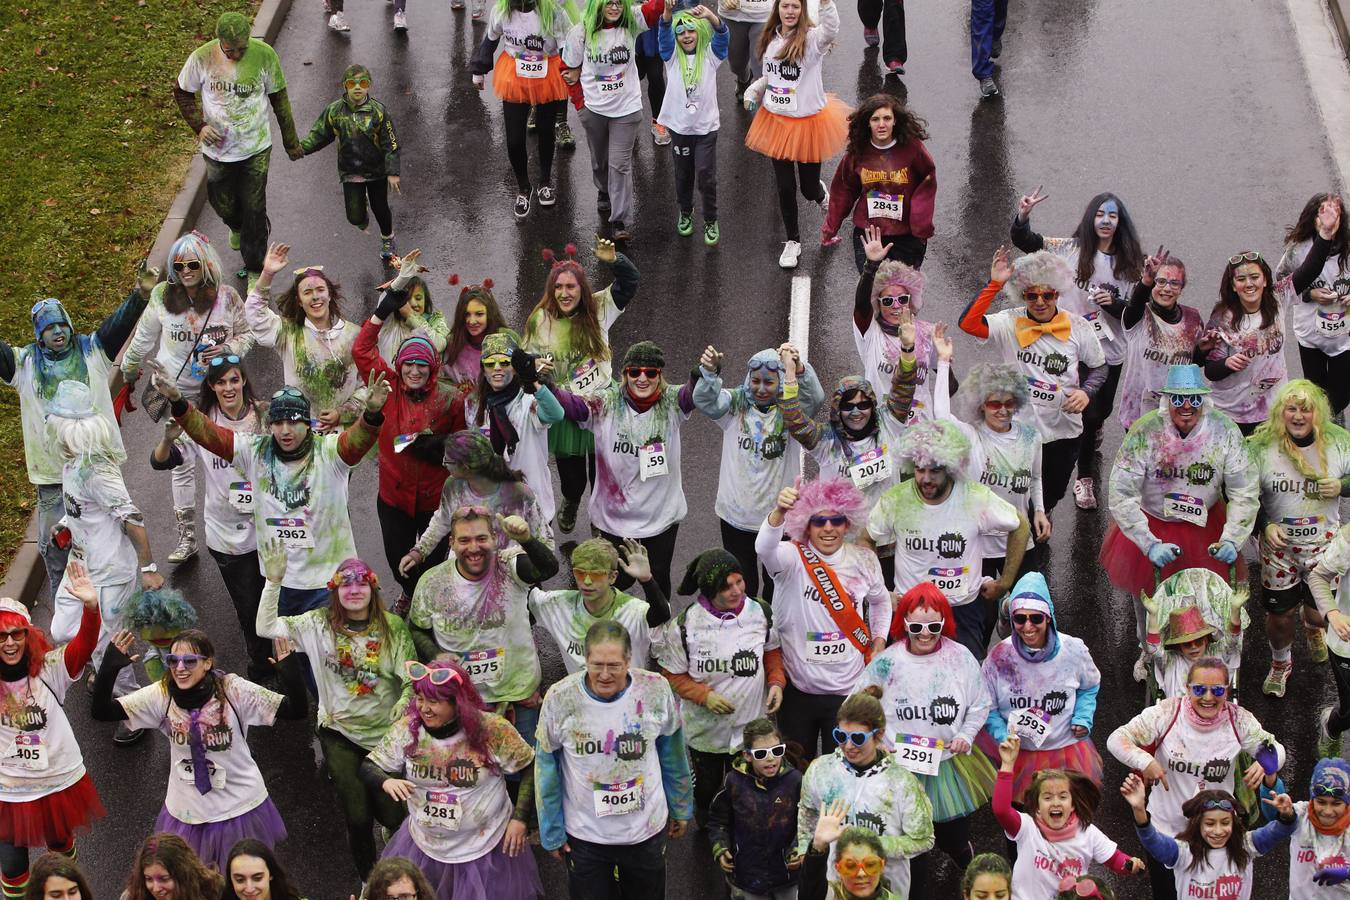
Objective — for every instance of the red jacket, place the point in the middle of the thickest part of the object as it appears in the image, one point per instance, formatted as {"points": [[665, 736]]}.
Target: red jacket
{"points": [[907, 171], [407, 483]]}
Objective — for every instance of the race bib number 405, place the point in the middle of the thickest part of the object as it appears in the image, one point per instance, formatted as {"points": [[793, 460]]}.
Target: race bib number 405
{"points": [[28, 752]]}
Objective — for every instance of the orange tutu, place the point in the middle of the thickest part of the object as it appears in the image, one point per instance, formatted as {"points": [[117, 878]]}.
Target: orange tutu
{"points": [[808, 139], [511, 88]]}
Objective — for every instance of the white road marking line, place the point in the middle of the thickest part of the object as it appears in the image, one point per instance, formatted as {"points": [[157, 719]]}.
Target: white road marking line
{"points": [[799, 332], [1325, 65]]}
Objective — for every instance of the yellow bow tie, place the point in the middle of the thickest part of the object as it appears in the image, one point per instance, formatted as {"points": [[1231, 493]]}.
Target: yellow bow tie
{"points": [[1028, 330]]}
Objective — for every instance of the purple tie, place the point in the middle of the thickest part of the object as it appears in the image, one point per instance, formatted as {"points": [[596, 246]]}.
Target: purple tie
{"points": [[201, 775]]}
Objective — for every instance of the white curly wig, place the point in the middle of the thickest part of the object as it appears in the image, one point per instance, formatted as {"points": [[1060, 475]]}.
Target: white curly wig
{"points": [[934, 444], [893, 272], [982, 382], [1041, 267]]}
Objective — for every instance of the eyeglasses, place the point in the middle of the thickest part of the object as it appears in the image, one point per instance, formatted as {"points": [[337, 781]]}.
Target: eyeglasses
{"points": [[1177, 283], [842, 737], [287, 392], [1192, 400], [229, 359], [421, 672], [642, 372], [17, 636], [191, 265], [1040, 295], [902, 300], [590, 575], [682, 26], [1024, 618], [851, 865], [1218, 690], [995, 405], [497, 362], [1211, 805], [921, 627], [362, 84], [860, 406], [822, 521], [763, 753], [183, 660], [401, 897], [1248, 256]]}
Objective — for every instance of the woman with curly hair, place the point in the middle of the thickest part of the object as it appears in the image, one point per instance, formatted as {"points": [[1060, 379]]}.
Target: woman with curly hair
{"points": [[476, 316], [447, 758], [1050, 346], [887, 182], [312, 338], [825, 645], [1321, 323], [55, 875], [253, 873], [1303, 461], [357, 653], [166, 868], [395, 878]]}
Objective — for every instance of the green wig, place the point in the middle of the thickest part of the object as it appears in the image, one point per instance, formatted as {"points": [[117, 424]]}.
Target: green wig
{"points": [[593, 21], [547, 9], [691, 64], [163, 608]]}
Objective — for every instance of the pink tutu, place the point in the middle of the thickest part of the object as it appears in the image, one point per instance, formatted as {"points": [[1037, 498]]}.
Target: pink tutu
{"points": [[1080, 756], [494, 874], [213, 841], [1129, 569]]}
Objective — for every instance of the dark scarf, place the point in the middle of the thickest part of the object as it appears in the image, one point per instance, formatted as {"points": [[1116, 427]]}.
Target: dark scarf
{"points": [[641, 404], [1171, 315], [300, 452], [16, 672], [503, 433]]}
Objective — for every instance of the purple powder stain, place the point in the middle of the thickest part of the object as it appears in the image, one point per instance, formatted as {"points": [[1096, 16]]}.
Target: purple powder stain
{"points": [[609, 741], [609, 486]]}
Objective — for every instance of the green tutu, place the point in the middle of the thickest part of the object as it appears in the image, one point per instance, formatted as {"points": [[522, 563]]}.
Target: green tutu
{"points": [[963, 784], [567, 438]]}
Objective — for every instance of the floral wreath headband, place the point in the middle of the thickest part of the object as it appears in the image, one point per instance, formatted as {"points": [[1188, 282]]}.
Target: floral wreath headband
{"points": [[353, 571]]}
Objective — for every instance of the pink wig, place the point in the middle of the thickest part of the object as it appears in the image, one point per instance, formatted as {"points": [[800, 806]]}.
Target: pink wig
{"points": [[822, 495], [468, 704], [891, 273]]}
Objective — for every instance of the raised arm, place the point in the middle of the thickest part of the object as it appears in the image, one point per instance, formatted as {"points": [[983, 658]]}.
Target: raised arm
{"points": [[972, 320]]}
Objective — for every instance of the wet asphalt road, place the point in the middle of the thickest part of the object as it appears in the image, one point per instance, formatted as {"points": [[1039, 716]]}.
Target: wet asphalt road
{"points": [[1203, 123]]}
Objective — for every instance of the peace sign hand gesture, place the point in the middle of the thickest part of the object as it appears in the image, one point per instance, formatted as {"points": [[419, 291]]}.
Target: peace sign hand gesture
{"points": [[1030, 202]]}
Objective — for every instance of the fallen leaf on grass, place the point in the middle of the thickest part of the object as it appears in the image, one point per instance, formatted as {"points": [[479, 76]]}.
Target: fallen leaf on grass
{"points": [[50, 201]]}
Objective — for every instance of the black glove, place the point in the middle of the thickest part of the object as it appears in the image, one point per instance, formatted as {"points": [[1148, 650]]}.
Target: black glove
{"points": [[526, 371], [390, 301], [428, 448]]}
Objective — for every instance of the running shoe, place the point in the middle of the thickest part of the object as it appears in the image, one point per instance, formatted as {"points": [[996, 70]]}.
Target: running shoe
{"points": [[547, 196], [234, 239], [740, 90], [387, 250], [988, 88], [997, 50], [567, 516], [660, 134], [402, 605], [895, 67], [1084, 494], [871, 37], [1328, 745], [564, 138], [523, 205], [621, 232], [338, 22], [1277, 678], [685, 226], [400, 21], [125, 735], [530, 124], [824, 198], [456, 4], [1317, 645], [711, 234], [792, 251]]}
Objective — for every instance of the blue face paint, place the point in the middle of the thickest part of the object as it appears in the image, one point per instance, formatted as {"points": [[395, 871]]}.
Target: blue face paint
{"points": [[1108, 208]]}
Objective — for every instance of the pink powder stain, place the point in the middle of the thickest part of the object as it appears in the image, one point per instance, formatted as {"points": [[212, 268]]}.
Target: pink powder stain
{"points": [[609, 741], [639, 709], [609, 486]]}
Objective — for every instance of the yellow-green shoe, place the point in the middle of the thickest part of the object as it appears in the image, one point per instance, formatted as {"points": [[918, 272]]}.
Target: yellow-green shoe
{"points": [[685, 226], [1327, 744], [711, 234], [1317, 645], [1276, 679], [234, 239]]}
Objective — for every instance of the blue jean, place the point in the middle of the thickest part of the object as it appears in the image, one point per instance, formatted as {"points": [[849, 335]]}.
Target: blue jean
{"points": [[988, 18], [50, 509], [641, 867]]}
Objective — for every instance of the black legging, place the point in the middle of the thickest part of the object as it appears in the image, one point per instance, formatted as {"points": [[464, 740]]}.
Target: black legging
{"points": [[786, 173], [515, 116], [400, 531], [14, 861], [653, 68], [952, 838], [1097, 412], [354, 194], [1330, 373], [741, 544], [1057, 462], [574, 473], [809, 719], [361, 806], [660, 553]]}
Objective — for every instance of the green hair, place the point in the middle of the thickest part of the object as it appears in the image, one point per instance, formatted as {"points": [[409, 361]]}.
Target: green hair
{"points": [[232, 27], [1272, 432], [595, 555], [547, 10], [594, 16], [693, 74]]}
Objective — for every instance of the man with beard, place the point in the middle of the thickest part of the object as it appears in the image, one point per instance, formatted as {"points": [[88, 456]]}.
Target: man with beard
{"points": [[938, 521]]}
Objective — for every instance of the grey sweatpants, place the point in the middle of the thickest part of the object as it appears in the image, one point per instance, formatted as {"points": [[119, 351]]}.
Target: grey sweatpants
{"points": [[742, 58], [611, 141], [696, 157]]}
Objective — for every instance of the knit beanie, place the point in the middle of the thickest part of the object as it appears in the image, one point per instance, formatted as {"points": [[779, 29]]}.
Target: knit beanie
{"points": [[708, 572]]}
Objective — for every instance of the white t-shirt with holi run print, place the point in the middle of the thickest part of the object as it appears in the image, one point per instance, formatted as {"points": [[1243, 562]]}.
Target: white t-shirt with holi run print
{"points": [[613, 792], [1050, 686], [1324, 326], [1106, 326], [940, 695], [1245, 395], [758, 461], [628, 444], [98, 508], [564, 616], [1292, 501], [1154, 346], [234, 97], [1216, 878], [1310, 850], [236, 784], [880, 354], [1041, 863], [38, 751]]}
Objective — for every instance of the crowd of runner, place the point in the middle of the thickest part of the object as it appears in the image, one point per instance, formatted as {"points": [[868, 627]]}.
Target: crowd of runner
{"points": [[869, 658]]}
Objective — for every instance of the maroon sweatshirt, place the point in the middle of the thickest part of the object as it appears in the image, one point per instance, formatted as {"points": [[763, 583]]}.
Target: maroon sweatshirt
{"points": [[904, 170]]}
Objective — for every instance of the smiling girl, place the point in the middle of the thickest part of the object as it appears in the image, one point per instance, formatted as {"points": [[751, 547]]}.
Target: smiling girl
{"points": [[165, 868], [476, 316], [1321, 842]]}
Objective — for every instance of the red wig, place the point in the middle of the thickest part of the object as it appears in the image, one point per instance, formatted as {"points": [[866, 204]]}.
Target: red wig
{"points": [[924, 595], [38, 645]]}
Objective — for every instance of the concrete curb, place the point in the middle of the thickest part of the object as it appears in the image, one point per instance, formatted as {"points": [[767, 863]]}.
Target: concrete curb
{"points": [[27, 572], [1339, 20]]}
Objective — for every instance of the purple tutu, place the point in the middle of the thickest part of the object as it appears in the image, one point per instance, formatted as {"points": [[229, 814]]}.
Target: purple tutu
{"points": [[494, 874], [213, 841]]}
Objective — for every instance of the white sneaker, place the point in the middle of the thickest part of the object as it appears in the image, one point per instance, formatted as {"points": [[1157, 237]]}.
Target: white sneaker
{"points": [[338, 22], [824, 198], [400, 21], [1084, 494], [792, 251]]}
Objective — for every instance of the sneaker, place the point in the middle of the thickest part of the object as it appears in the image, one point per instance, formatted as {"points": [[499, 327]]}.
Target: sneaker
{"points": [[457, 4], [250, 279], [1140, 672], [402, 606], [711, 234], [1084, 494], [1317, 645], [567, 516], [338, 22], [564, 138], [125, 735], [387, 248], [530, 123], [1327, 744], [740, 90], [988, 88], [523, 205], [824, 198], [792, 251], [895, 67], [871, 37], [685, 226], [1276, 679], [660, 134], [997, 50], [547, 196], [234, 239], [400, 21], [621, 232]]}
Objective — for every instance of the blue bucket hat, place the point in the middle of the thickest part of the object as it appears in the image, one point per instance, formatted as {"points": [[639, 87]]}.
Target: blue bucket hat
{"points": [[72, 401], [1187, 379]]}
